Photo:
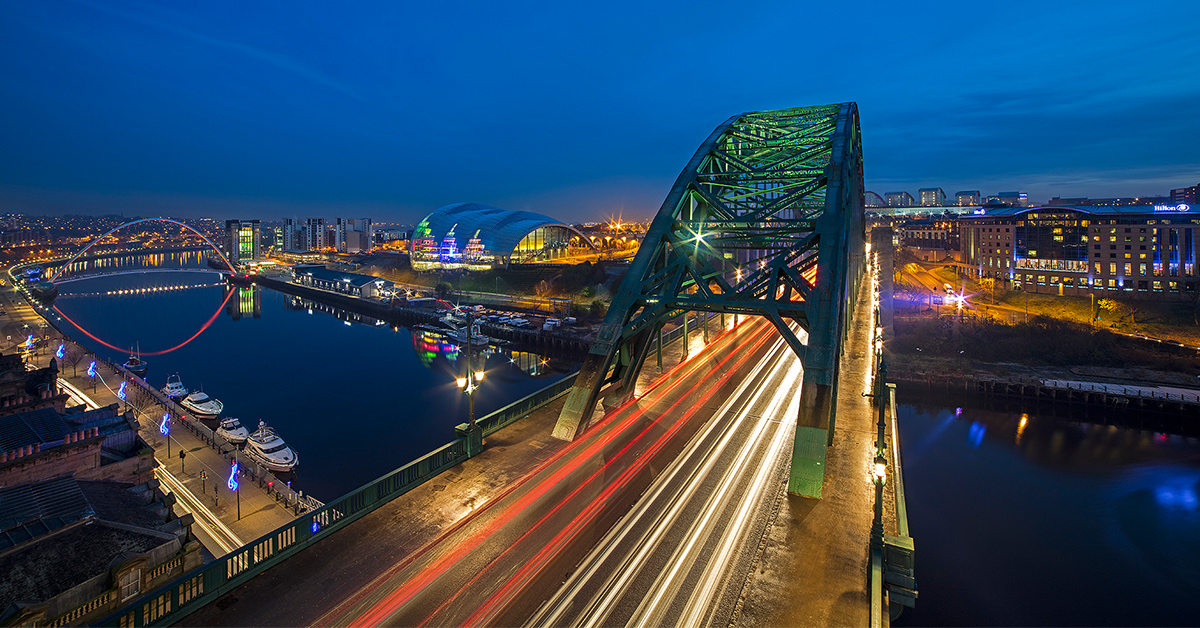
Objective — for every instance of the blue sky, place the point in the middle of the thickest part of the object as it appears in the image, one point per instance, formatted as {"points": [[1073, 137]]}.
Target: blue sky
{"points": [[391, 109]]}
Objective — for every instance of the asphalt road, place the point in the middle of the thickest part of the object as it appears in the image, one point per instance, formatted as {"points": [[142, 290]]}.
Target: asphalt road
{"points": [[680, 556], [497, 566], [489, 544]]}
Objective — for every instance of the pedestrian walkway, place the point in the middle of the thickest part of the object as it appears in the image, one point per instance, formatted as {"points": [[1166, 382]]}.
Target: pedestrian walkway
{"points": [[200, 478], [814, 560]]}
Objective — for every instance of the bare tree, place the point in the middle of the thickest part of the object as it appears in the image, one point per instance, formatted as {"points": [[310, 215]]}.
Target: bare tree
{"points": [[73, 356]]}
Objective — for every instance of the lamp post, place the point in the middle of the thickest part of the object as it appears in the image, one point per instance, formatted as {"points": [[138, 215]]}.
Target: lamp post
{"points": [[469, 384]]}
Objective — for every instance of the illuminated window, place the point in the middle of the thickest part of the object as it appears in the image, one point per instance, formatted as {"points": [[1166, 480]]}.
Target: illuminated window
{"points": [[1128, 269], [1112, 268]]}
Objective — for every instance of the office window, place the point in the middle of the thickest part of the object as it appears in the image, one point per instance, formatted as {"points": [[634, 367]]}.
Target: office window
{"points": [[1128, 270], [1112, 268]]}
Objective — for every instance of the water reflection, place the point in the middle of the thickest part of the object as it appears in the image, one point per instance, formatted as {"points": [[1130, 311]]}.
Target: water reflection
{"points": [[107, 263], [1054, 511], [247, 301]]}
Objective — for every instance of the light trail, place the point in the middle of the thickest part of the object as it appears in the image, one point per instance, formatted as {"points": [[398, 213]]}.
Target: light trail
{"points": [[648, 507], [165, 351], [607, 428], [539, 561], [583, 450]]}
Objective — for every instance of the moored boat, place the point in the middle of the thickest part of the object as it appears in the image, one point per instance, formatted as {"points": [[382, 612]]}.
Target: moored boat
{"points": [[136, 365], [175, 388], [203, 406], [266, 448], [232, 430]]}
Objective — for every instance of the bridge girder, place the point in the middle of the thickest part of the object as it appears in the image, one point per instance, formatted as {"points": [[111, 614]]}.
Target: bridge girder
{"points": [[766, 219]]}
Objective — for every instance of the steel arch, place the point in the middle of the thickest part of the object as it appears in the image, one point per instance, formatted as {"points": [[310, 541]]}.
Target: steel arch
{"points": [[134, 222], [766, 219]]}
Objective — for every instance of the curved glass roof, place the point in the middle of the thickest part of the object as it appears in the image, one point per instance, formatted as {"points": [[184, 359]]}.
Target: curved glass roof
{"points": [[498, 230]]}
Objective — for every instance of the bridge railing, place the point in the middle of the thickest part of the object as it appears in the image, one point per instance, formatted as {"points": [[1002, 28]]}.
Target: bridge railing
{"points": [[521, 408], [173, 601]]}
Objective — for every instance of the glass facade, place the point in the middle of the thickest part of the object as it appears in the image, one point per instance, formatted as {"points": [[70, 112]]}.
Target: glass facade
{"points": [[1052, 241], [470, 236]]}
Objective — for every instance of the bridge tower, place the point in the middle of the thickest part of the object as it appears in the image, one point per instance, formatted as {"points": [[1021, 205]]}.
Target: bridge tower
{"points": [[767, 220]]}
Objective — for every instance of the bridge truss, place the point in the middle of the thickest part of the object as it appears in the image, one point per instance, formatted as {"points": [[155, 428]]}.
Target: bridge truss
{"points": [[767, 220]]}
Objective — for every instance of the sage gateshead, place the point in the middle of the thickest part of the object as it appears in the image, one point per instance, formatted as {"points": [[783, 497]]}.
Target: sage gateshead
{"points": [[471, 236]]}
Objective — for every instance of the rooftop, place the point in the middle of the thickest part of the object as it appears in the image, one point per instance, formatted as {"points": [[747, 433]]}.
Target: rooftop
{"points": [[324, 274]]}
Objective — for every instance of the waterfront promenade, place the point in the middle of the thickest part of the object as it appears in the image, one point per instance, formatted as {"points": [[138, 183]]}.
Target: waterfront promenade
{"points": [[209, 499]]}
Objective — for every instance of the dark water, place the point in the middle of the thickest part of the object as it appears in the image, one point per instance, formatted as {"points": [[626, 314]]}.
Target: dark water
{"points": [[1021, 520], [353, 397]]}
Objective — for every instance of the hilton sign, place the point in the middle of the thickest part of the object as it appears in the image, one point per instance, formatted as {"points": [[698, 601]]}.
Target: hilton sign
{"points": [[1182, 207]]}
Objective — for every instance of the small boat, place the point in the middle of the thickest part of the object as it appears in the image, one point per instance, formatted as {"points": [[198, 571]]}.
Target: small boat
{"points": [[203, 406], [475, 338], [136, 365], [175, 388], [232, 430], [266, 448]]}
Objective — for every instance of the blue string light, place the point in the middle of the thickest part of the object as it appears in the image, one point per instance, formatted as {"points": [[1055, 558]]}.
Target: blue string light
{"points": [[233, 483], [62, 351], [165, 427], [121, 393], [92, 369]]}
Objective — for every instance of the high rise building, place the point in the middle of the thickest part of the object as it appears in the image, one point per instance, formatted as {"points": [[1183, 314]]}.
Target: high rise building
{"points": [[967, 198], [932, 197], [899, 199], [243, 241], [871, 199], [340, 226], [290, 231], [1190, 195], [314, 234]]}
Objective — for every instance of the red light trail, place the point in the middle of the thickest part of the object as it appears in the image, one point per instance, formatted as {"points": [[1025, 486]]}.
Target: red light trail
{"points": [[164, 351], [606, 424], [607, 431]]}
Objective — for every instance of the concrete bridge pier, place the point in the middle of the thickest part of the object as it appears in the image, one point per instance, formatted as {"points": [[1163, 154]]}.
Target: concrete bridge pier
{"points": [[812, 437]]}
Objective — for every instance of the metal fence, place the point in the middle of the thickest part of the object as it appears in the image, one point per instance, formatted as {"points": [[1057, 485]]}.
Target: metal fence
{"points": [[1125, 391]]}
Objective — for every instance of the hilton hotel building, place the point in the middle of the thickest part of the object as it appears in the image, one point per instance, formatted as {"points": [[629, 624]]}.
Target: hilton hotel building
{"points": [[1139, 251]]}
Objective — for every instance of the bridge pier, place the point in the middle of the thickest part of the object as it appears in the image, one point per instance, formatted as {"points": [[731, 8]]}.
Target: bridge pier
{"points": [[812, 436]]}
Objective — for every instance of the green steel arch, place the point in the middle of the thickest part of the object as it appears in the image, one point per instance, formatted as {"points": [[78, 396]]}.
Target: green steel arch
{"points": [[766, 219]]}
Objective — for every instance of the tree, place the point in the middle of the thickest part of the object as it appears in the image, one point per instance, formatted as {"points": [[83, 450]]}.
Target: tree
{"points": [[73, 356], [443, 290], [596, 310], [1121, 309]]}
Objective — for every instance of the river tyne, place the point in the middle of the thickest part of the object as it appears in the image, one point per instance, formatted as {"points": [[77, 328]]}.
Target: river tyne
{"points": [[354, 398], [1019, 517]]}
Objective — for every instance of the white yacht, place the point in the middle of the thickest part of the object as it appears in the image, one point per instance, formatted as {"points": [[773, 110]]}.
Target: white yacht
{"points": [[232, 430], [265, 447], [175, 388], [203, 406]]}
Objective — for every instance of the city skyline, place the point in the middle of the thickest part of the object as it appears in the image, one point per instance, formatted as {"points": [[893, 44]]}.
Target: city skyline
{"points": [[394, 112]]}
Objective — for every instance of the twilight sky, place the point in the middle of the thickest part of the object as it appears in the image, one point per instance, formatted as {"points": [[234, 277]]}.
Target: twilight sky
{"points": [[391, 109]]}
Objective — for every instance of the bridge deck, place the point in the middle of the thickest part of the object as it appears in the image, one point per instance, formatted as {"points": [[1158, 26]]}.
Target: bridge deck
{"points": [[334, 581], [812, 570]]}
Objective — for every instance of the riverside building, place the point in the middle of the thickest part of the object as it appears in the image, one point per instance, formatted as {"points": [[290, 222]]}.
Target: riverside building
{"points": [[1144, 252]]}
